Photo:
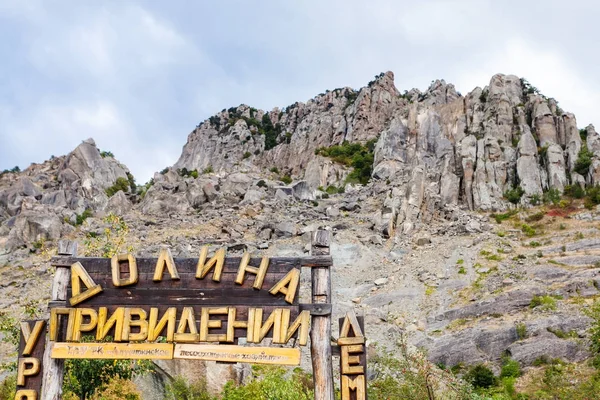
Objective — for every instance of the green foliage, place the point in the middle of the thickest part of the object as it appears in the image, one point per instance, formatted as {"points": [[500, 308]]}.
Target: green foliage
{"points": [[503, 217], [510, 368], [272, 383], [584, 160], [14, 170], [592, 196], [84, 376], [359, 157], [261, 183], [552, 196], [132, 184], [514, 195], [535, 199], [575, 191], [528, 230], [80, 218], [483, 96], [270, 131], [521, 329], [105, 154], [118, 389], [120, 184], [594, 331], [583, 134], [164, 170], [545, 302], [246, 155], [480, 376], [112, 240], [185, 173], [408, 375], [286, 179], [208, 170], [460, 261], [534, 244], [180, 389], [8, 387], [535, 217], [462, 270], [274, 170]]}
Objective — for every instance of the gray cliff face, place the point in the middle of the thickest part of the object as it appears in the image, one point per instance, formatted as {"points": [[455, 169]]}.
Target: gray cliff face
{"points": [[450, 149]]}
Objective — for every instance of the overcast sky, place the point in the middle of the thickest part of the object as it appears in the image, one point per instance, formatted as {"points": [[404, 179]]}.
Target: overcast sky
{"points": [[138, 76]]}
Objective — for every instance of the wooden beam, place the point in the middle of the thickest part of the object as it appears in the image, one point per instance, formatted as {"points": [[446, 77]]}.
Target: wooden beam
{"points": [[53, 369], [320, 333]]}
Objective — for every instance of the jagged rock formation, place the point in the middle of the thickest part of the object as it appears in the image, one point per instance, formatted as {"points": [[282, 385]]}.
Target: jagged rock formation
{"points": [[434, 149], [35, 204]]}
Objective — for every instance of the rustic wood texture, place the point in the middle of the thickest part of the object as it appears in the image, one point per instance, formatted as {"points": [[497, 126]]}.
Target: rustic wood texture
{"points": [[32, 344], [53, 369], [116, 351], [353, 357], [321, 324], [231, 263], [230, 353], [237, 329]]}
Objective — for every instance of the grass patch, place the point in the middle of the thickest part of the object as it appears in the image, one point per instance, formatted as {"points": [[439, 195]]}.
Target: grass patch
{"points": [[462, 270], [503, 217], [545, 302]]}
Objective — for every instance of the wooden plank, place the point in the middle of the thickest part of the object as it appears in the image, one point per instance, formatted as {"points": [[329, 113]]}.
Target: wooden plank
{"points": [[189, 280], [241, 315], [32, 344], [231, 353], [116, 351], [277, 264], [53, 369], [353, 358], [320, 333], [134, 296]]}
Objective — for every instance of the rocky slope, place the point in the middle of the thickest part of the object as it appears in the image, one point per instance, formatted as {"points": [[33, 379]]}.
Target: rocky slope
{"points": [[415, 250]]}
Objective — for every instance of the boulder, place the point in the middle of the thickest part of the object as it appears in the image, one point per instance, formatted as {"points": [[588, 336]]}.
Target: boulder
{"points": [[118, 204]]}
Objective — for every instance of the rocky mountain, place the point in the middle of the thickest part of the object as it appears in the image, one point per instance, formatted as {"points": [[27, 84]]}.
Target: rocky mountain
{"points": [[433, 149], [406, 182]]}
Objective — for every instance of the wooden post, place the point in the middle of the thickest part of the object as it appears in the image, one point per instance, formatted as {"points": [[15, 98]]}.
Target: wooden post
{"points": [[54, 368], [320, 333]]}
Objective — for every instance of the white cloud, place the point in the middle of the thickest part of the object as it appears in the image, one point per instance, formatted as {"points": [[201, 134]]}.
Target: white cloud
{"points": [[545, 68]]}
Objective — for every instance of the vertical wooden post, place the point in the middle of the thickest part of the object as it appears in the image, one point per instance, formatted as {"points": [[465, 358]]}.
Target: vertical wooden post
{"points": [[320, 333], [54, 368]]}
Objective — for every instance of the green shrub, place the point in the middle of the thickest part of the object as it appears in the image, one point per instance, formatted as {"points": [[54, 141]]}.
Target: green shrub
{"points": [[246, 155], [80, 218], [462, 270], [83, 377], [503, 217], [180, 389], [521, 329], [105, 154], [584, 160], [261, 183], [535, 199], [545, 302], [274, 170], [8, 387], [510, 368], [528, 230], [286, 179], [534, 244], [359, 157], [118, 389], [552, 196], [514, 195], [120, 184], [575, 191], [535, 217], [208, 170], [480, 376], [272, 383]]}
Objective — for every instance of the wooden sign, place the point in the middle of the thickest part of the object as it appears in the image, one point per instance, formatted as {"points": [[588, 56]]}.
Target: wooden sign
{"points": [[353, 358], [189, 308], [29, 364], [226, 353], [113, 351]]}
